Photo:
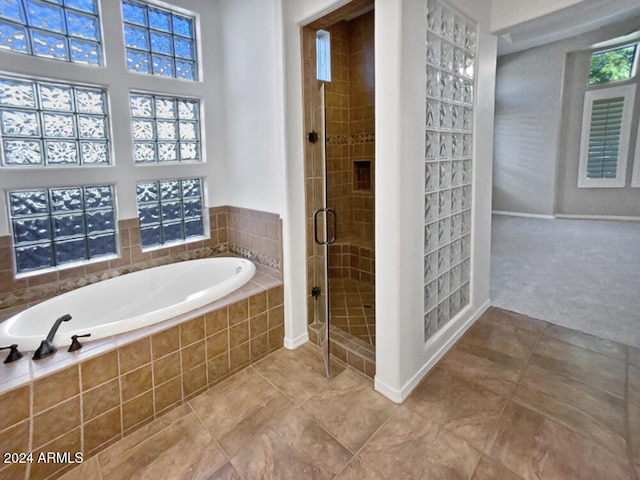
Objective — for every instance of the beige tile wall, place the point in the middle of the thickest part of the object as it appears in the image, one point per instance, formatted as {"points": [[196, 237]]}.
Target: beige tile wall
{"points": [[91, 404], [248, 233]]}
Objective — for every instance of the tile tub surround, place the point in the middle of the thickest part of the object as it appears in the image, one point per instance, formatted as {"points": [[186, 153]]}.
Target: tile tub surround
{"points": [[86, 400], [247, 233], [550, 423]]}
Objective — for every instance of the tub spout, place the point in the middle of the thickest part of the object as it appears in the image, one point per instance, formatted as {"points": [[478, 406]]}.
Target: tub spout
{"points": [[47, 348]]}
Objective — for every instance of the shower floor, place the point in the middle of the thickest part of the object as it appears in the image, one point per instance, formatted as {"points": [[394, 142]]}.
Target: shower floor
{"points": [[352, 305]]}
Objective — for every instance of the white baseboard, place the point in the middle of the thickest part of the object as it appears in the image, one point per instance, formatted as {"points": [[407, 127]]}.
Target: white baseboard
{"points": [[526, 215], [293, 343], [598, 217], [441, 346]]}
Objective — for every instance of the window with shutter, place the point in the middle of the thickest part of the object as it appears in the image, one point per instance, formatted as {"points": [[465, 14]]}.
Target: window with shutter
{"points": [[606, 126]]}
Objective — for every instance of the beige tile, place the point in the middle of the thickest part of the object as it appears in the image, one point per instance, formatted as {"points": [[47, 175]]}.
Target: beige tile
{"points": [[465, 409], [166, 368], [257, 304], [193, 355], [87, 469], [357, 470], [194, 380], [492, 370], [69, 442], [13, 471], [601, 372], [217, 368], [505, 318], [589, 342], [134, 355], [238, 333], [100, 399], [191, 331], [299, 374], [489, 469], [407, 446], [56, 421], [294, 448], [183, 449], [238, 312], [593, 413], [102, 429], [129, 442], [535, 447], [56, 388], [216, 321], [14, 405], [226, 472], [167, 394], [238, 409], [239, 357], [217, 344], [165, 342], [513, 341], [137, 410], [15, 438], [136, 382], [349, 409], [99, 369]]}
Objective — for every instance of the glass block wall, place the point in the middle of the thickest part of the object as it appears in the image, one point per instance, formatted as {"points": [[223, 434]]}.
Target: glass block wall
{"points": [[170, 211], [67, 31], [46, 123], [62, 225], [450, 61], [165, 129], [158, 41]]}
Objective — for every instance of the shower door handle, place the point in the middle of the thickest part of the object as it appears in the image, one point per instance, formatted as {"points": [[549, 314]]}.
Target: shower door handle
{"points": [[326, 211]]}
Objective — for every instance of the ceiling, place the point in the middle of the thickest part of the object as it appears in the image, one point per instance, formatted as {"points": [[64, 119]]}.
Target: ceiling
{"points": [[575, 20]]}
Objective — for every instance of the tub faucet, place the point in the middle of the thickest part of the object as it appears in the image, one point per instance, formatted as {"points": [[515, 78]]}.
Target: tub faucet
{"points": [[47, 348]]}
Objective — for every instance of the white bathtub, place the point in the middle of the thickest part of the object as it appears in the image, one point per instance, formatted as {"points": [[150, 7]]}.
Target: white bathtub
{"points": [[128, 302]]}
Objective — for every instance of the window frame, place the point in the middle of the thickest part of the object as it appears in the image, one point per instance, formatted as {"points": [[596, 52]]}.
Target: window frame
{"points": [[634, 65], [628, 92]]}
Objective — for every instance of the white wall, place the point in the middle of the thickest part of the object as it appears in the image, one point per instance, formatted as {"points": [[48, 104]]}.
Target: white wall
{"points": [[402, 358], [527, 124], [253, 104], [118, 82]]}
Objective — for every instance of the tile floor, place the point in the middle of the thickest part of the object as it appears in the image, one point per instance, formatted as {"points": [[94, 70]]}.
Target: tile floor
{"points": [[516, 398], [353, 308]]}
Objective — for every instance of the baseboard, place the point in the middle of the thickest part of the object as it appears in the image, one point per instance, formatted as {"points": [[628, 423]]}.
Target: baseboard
{"points": [[293, 343], [442, 346], [526, 215], [598, 217]]}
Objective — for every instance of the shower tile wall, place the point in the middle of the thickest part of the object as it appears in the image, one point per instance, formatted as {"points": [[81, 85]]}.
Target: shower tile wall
{"points": [[248, 233]]}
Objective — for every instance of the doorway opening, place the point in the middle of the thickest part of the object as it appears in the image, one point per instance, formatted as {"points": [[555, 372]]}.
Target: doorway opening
{"points": [[339, 121]]}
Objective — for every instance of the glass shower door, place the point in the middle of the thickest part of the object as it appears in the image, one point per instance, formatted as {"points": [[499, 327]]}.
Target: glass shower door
{"points": [[323, 231]]}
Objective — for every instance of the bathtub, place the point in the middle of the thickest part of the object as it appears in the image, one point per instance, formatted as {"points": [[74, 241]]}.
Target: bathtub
{"points": [[129, 302]]}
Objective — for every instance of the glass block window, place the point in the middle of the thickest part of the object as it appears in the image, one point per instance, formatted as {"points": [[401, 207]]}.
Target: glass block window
{"points": [[44, 124], [58, 226], [170, 211], [67, 30], [612, 65], [448, 173], [159, 42], [165, 129]]}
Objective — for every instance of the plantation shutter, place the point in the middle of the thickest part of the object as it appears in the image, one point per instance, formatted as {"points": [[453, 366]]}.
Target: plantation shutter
{"points": [[604, 137]]}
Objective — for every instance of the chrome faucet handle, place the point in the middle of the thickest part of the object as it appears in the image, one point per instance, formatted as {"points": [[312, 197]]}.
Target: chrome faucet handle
{"points": [[75, 343], [14, 354]]}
